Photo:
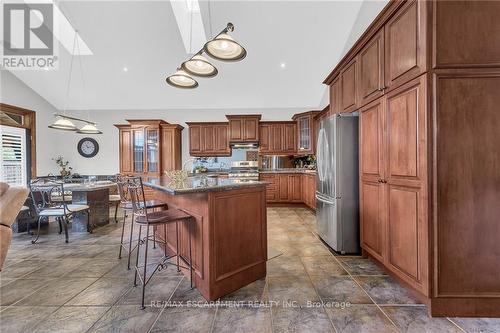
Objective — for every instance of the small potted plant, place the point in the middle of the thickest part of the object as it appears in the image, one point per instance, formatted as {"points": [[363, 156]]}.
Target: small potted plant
{"points": [[65, 170]]}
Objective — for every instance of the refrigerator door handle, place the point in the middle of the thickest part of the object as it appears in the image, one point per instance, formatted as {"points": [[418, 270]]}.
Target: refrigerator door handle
{"points": [[324, 200]]}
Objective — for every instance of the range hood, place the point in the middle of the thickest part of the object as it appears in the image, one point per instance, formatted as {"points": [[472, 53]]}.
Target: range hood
{"points": [[244, 145]]}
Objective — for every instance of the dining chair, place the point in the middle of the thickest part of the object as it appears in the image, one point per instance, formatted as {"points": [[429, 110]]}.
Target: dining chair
{"points": [[42, 191]]}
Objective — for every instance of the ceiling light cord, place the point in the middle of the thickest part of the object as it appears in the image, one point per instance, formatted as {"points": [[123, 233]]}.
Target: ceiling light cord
{"points": [[210, 18], [83, 79], [191, 34], [70, 73]]}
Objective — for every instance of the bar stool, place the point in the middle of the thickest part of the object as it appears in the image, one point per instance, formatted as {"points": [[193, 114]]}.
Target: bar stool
{"points": [[146, 219], [126, 205]]}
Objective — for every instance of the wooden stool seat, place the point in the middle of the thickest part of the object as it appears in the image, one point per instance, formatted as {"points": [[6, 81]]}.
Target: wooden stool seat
{"points": [[162, 217]]}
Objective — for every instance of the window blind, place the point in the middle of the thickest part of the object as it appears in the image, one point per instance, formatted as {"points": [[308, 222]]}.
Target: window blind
{"points": [[13, 155]]}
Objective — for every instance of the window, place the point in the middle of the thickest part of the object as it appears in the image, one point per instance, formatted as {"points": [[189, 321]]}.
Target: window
{"points": [[13, 155]]}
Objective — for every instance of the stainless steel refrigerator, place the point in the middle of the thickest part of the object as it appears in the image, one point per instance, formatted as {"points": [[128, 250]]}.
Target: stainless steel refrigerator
{"points": [[337, 201]]}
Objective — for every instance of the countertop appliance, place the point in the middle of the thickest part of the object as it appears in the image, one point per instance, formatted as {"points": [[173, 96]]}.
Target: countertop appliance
{"points": [[244, 170], [337, 203]]}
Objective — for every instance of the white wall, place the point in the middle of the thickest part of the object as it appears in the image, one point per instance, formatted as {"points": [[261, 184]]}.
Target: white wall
{"points": [[15, 92], [52, 143]]}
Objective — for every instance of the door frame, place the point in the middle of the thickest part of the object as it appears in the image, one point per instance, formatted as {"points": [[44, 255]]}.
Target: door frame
{"points": [[29, 122]]}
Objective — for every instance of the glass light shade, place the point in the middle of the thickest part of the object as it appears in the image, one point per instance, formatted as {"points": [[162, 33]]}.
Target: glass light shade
{"points": [[181, 79], [224, 47], [89, 129], [63, 124], [199, 66]]}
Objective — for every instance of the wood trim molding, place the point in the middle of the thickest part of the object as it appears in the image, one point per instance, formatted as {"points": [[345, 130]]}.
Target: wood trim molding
{"points": [[30, 123]]}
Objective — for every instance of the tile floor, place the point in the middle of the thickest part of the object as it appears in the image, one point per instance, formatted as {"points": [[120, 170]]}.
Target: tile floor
{"points": [[83, 287]]}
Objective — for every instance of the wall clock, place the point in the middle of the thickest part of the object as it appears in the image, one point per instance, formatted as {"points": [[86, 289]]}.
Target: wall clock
{"points": [[88, 147]]}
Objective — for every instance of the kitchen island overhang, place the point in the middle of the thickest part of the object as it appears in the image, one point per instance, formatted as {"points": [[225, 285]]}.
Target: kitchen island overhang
{"points": [[229, 231]]}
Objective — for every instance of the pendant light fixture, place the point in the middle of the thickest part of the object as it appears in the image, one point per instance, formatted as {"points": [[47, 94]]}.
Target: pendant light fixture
{"points": [[89, 128], [181, 79], [224, 47], [198, 65], [64, 122]]}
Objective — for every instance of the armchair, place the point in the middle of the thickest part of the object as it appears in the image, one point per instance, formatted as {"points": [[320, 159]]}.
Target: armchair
{"points": [[11, 200]]}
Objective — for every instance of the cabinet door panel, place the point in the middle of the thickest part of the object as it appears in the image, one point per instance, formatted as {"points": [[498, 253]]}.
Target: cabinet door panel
{"points": [[168, 150], [251, 130], [194, 139], [236, 128], [208, 136], [335, 96], [405, 44], [371, 141], [371, 69], [403, 230], [407, 134], [265, 138], [277, 138], [289, 138], [221, 139], [294, 188], [283, 187], [125, 151], [372, 226], [348, 87]]}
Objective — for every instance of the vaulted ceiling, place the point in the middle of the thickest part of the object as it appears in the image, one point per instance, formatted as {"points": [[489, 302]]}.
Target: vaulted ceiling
{"points": [[308, 37]]}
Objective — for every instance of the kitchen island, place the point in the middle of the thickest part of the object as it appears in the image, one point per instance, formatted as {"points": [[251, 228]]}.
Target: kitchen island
{"points": [[229, 232]]}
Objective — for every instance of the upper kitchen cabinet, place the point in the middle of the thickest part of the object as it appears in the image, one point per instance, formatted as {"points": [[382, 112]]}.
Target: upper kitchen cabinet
{"points": [[149, 147], [265, 139], [348, 86], [305, 132], [371, 70], [278, 137], [209, 139], [243, 128], [479, 46], [335, 96], [405, 44]]}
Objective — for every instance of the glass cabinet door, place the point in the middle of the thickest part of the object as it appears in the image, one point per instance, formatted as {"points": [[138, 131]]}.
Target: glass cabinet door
{"points": [[152, 150], [138, 151], [304, 134]]}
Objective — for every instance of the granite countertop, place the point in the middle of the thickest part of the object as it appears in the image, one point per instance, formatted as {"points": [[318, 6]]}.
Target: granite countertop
{"points": [[198, 184], [289, 170]]}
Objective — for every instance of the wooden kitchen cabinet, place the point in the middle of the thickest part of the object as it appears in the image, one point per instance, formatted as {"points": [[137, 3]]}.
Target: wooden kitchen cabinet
{"points": [[265, 139], [427, 206], [405, 44], [335, 95], [371, 70], [243, 128], [290, 188], [348, 87], [309, 190], [372, 172], [306, 132], [209, 139], [289, 138], [393, 177], [278, 137], [149, 147]]}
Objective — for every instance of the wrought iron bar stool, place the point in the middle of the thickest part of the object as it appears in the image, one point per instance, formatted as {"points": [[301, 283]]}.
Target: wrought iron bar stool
{"points": [[146, 219], [126, 204], [42, 192]]}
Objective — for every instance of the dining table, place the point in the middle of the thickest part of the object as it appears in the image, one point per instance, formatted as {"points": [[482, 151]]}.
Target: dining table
{"points": [[94, 194]]}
